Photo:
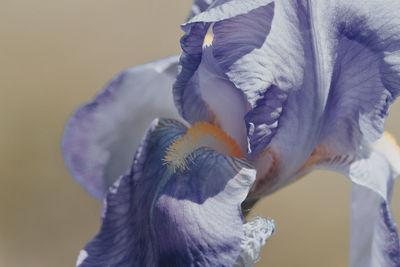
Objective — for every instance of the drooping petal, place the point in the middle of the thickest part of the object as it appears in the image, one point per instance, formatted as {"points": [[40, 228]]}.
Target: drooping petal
{"points": [[157, 216], [374, 236], [101, 136]]}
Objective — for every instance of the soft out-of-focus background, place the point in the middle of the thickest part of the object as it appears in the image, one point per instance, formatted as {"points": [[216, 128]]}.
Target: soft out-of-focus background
{"points": [[55, 55]]}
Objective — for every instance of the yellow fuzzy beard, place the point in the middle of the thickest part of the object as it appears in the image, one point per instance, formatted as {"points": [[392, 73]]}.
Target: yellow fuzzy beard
{"points": [[201, 134]]}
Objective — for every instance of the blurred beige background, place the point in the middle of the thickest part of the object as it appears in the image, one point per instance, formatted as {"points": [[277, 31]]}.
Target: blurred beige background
{"points": [[55, 55]]}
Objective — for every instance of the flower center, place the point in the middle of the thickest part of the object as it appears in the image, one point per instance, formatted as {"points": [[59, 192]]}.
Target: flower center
{"points": [[201, 134]]}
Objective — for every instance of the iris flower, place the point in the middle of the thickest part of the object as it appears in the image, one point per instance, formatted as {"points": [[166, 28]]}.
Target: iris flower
{"points": [[264, 92]]}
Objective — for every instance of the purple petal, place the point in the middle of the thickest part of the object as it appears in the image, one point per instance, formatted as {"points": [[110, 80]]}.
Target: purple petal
{"points": [[209, 97], [101, 136], [262, 121], [226, 102], [354, 56], [226, 9], [274, 69], [157, 217], [320, 71], [202, 92], [199, 6], [186, 93], [366, 77], [240, 35], [284, 88], [264, 51], [234, 38], [374, 236]]}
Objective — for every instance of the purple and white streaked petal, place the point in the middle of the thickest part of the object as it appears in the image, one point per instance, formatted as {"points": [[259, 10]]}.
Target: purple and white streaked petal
{"points": [[348, 55], [339, 74], [281, 90], [101, 136], [155, 216], [366, 77]]}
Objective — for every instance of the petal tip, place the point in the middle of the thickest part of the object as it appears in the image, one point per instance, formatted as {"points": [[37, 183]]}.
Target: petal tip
{"points": [[81, 257], [256, 234]]}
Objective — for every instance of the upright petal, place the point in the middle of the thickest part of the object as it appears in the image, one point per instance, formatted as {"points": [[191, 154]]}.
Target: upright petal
{"points": [[366, 76], [343, 57], [275, 69], [264, 53], [285, 84], [155, 216], [101, 137], [327, 72], [202, 91]]}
